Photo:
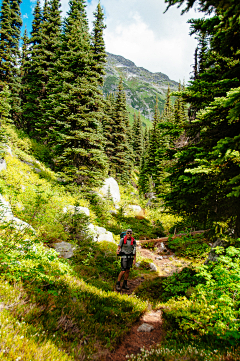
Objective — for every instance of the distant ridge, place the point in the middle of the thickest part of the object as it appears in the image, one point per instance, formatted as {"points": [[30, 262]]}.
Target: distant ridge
{"points": [[140, 84]]}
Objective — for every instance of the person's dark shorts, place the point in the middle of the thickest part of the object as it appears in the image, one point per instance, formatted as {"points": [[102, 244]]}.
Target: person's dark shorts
{"points": [[126, 263]]}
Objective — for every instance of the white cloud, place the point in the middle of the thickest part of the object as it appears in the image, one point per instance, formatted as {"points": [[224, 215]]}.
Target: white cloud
{"points": [[139, 31], [25, 16]]}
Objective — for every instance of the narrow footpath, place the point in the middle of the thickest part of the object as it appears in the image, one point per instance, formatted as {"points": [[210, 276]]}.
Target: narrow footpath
{"points": [[135, 339]]}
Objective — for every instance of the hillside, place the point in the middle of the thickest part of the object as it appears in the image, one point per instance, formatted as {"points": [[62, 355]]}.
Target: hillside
{"points": [[141, 85]]}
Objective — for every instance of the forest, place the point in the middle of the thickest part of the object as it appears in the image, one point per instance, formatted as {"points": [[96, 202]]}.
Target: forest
{"points": [[62, 140]]}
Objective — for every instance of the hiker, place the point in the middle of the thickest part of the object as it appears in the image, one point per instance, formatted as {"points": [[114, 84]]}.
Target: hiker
{"points": [[127, 250]]}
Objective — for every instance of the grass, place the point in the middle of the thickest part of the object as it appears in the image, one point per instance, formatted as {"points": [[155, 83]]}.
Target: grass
{"points": [[56, 309]]}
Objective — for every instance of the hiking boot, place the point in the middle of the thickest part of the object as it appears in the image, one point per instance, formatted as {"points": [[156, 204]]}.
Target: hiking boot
{"points": [[118, 287], [125, 286]]}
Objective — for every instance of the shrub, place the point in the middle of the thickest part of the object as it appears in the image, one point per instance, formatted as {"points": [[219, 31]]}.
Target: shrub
{"points": [[192, 247], [161, 289], [212, 312]]}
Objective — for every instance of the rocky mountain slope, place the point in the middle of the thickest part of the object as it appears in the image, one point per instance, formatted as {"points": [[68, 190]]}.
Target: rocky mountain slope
{"points": [[141, 85]]}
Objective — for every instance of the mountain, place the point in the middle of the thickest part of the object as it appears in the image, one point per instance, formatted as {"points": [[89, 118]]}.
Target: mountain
{"points": [[141, 85]]}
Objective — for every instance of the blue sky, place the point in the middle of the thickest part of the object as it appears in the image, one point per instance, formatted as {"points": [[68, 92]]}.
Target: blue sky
{"points": [[139, 31]]}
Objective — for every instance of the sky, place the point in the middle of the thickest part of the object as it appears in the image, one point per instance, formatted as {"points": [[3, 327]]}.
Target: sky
{"points": [[140, 31]]}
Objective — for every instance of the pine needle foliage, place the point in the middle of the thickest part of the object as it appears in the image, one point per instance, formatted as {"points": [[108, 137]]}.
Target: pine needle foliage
{"points": [[10, 28], [75, 106]]}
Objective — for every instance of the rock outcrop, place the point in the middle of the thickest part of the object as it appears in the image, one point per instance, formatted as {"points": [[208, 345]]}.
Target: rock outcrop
{"points": [[111, 188]]}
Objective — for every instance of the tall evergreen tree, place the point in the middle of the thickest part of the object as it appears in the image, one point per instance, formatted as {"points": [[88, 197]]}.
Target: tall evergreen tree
{"points": [[137, 140], [10, 28], [98, 44], [75, 105], [44, 54], [205, 179], [120, 156]]}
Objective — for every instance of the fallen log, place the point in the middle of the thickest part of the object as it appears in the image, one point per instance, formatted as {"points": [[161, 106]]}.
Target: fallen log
{"points": [[165, 239]]}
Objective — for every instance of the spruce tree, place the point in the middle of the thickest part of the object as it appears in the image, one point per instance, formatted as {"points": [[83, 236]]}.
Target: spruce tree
{"points": [[75, 105], [5, 108], [120, 156], [10, 28], [205, 178], [137, 141], [98, 44], [44, 54]]}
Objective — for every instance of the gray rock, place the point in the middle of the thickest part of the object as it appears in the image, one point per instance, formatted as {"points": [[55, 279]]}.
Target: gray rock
{"points": [[3, 165], [152, 267], [6, 216], [64, 249], [145, 327], [111, 185], [149, 203], [137, 264], [28, 163], [213, 256], [150, 195], [112, 211], [100, 234], [136, 209], [37, 170], [77, 210]]}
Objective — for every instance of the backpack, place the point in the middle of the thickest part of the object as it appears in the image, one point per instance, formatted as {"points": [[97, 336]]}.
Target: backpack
{"points": [[124, 236]]}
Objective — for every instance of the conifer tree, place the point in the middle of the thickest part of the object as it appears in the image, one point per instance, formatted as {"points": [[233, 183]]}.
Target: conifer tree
{"points": [[137, 140], [44, 55], [205, 178], [75, 104], [10, 28], [5, 108], [120, 156], [107, 122], [98, 44], [24, 61]]}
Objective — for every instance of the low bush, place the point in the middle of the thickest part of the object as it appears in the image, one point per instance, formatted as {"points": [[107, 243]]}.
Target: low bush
{"points": [[192, 247], [161, 289], [212, 313]]}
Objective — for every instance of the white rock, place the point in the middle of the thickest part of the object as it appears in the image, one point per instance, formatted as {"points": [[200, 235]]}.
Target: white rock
{"points": [[136, 209], [76, 209], [65, 249], [9, 150], [100, 234], [85, 210], [153, 267], [112, 212], [106, 237], [6, 216], [145, 327], [137, 264], [37, 170], [159, 257], [111, 185], [3, 165]]}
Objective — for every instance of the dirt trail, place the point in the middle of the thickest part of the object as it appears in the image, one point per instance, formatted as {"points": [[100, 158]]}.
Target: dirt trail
{"points": [[135, 340]]}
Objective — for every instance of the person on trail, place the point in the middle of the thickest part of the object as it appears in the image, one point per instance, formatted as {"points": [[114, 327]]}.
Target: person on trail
{"points": [[127, 250]]}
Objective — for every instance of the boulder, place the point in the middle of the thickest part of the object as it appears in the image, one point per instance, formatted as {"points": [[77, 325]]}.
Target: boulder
{"points": [[136, 209], [3, 165], [150, 195], [152, 267], [111, 185], [100, 234], [6, 216], [64, 249], [145, 327], [113, 212], [77, 210], [213, 256]]}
